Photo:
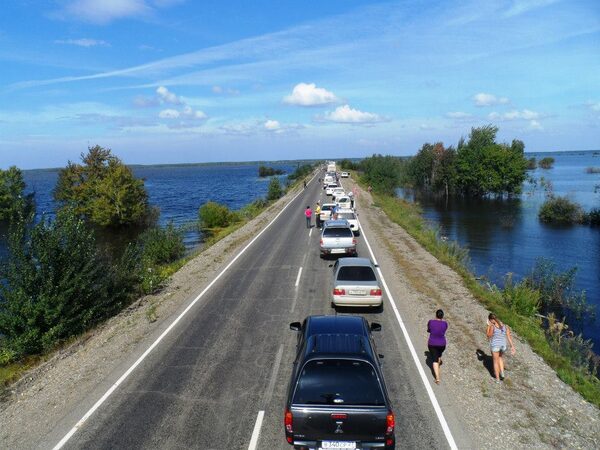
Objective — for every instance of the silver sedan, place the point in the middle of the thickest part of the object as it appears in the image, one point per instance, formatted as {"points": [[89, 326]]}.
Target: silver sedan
{"points": [[355, 283]]}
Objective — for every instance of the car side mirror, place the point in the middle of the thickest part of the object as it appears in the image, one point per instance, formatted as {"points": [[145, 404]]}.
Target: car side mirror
{"points": [[295, 326], [375, 326]]}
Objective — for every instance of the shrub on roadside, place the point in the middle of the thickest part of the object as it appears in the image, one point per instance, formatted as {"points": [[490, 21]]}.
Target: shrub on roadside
{"points": [[275, 191], [161, 245], [57, 283], [561, 210], [520, 297], [215, 215]]}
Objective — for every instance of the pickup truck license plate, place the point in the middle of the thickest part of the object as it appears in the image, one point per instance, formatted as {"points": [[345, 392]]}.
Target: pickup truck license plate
{"points": [[356, 292], [345, 445]]}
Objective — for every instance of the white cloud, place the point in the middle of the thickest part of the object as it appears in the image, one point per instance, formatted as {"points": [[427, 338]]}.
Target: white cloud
{"points": [[594, 106], [105, 11], [483, 99], [222, 90], [535, 125], [458, 115], [309, 94], [169, 114], [525, 114], [83, 42], [167, 96], [145, 102], [272, 125], [345, 114]]}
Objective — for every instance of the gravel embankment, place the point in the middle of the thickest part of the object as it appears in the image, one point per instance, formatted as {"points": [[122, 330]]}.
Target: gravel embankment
{"points": [[532, 408]]}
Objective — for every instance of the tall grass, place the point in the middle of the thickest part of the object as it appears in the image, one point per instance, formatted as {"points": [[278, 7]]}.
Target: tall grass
{"points": [[517, 304]]}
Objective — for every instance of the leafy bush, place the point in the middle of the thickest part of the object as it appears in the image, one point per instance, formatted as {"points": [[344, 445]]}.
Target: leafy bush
{"points": [[253, 209], [531, 164], [57, 284], [520, 297], [264, 171], [275, 190], [593, 217], [103, 189], [13, 201], [161, 245], [546, 163], [560, 210], [300, 172], [215, 215]]}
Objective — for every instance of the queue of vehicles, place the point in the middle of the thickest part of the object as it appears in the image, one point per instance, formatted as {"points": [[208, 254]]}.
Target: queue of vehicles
{"points": [[337, 398]]}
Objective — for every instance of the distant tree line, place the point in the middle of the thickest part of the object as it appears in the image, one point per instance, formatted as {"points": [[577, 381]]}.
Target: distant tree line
{"points": [[264, 171]]}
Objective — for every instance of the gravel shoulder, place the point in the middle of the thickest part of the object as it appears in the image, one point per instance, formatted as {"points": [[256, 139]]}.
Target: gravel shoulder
{"points": [[532, 408], [49, 399]]}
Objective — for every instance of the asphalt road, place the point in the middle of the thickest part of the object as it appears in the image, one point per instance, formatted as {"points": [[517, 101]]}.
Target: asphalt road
{"points": [[230, 358]]}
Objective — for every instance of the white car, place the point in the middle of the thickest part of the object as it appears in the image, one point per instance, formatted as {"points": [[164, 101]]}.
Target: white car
{"points": [[351, 216], [344, 174], [343, 202], [337, 192], [330, 187]]}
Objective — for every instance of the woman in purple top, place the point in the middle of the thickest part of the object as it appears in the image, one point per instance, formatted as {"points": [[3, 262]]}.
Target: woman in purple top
{"points": [[437, 341]]}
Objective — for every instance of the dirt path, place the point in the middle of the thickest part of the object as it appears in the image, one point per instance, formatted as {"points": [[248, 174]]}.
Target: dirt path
{"points": [[532, 408]]}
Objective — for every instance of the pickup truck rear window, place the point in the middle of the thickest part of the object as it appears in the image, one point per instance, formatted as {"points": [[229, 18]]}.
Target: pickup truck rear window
{"points": [[347, 216], [356, 273], [337, 232], [338, 382]]}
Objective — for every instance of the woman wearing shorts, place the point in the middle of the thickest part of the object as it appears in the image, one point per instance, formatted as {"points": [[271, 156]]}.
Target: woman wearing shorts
{"points": [[498, 334], [437, 341]]}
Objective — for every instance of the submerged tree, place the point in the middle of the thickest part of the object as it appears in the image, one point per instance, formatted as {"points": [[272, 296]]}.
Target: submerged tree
{"points": [[103, 189], [13, 200]]}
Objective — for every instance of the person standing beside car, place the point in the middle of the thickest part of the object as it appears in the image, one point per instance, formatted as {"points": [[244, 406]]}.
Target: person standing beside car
{"points": [[318, 215], [308, 214], [437, 341]]}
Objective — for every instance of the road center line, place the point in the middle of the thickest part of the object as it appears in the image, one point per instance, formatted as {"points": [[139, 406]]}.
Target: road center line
{"points": [[310, 232], [271, 386], [413, 352], [129, 371], [298, 277], [256, 431]]}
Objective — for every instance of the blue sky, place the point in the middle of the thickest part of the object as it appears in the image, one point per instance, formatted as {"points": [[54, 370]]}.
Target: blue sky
{"points": [[169, 81]]}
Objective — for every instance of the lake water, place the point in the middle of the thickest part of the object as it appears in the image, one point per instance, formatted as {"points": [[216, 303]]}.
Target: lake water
{"points": [[506, 236], [178, 191]]}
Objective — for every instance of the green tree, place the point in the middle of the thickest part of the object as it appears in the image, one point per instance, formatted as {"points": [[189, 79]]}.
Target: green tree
{"points": [[13, 200], [484, 167], [275, 190], [57, 284], [433, 167], [103, 189], [546, 163], [383, 173], [215, 215]]}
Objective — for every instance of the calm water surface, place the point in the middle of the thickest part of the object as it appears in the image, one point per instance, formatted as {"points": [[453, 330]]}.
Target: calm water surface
{"points": [[178, 191], [506, 236]]}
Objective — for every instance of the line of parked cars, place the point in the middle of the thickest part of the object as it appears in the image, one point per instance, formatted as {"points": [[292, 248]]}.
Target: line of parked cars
{"points": [[337, 398]]}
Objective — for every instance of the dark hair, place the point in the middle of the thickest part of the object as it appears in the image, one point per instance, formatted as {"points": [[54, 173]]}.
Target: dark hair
{"points": [[439, 314]]}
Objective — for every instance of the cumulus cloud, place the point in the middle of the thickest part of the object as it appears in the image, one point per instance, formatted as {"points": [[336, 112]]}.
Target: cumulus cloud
{"points": [[308, 94], [272, 125], [346, 114], [483, 99], [167, 96], [458, 115], [525, 114], [169, 114], [83, 42]]}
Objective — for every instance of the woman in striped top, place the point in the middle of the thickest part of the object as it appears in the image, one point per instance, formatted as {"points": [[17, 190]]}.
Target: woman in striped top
{"points": [[498, 335]]}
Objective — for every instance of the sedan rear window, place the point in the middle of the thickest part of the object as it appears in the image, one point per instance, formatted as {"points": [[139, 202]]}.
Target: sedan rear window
{"points": [[337, 232], [338, 382], [356, 273]]}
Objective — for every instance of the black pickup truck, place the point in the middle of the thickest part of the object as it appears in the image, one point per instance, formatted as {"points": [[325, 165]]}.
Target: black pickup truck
{"points": [[337, 397]]}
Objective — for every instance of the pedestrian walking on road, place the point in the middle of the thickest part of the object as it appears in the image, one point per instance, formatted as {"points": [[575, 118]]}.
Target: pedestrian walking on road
{"points": [[498, 334], [318, 215], [304, 184], [308, 214], [437, 341]]}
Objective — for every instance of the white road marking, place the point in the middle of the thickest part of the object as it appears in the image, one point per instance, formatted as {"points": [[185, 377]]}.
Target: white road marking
{"points": [[298, 277], [256, 431], [128, 372], [310, 232], [413, 352], [271, 386]]}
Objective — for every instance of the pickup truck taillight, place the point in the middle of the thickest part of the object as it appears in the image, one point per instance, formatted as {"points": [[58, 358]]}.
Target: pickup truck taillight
{"points": [[320, 241], [391, 423], [339, 292], [354, 241], [288, 423], [376, 292]]}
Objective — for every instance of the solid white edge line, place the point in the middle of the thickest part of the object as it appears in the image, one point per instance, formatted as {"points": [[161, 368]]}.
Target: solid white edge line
{"points": [[123, 377], [298, 277], [413, 352], [310, 232], [256, 431]]}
